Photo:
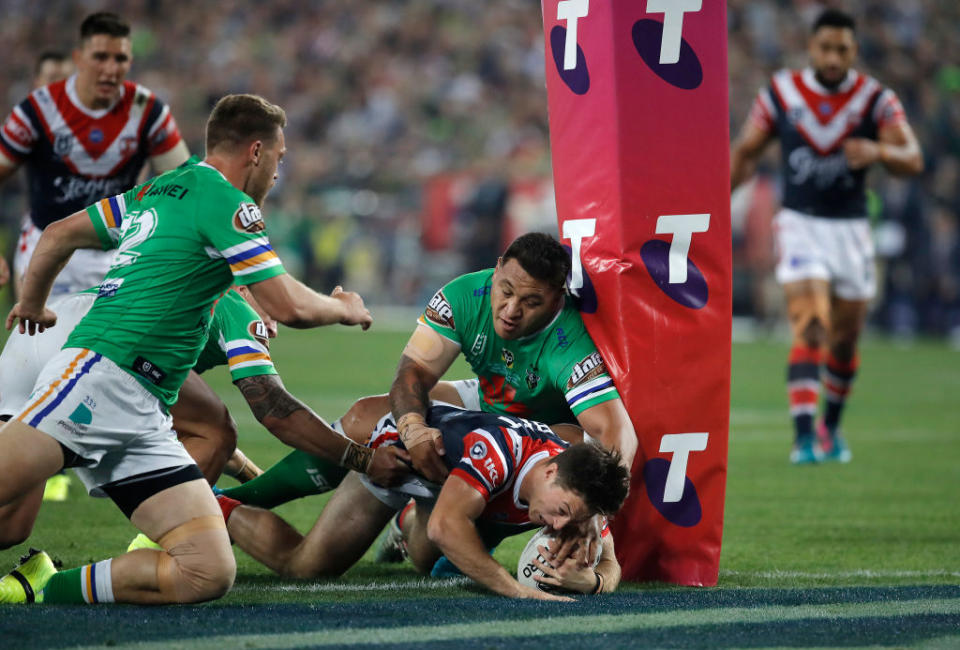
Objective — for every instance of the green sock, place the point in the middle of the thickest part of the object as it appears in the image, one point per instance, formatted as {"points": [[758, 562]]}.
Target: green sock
{"points": [[297, 475], [87, 584]]}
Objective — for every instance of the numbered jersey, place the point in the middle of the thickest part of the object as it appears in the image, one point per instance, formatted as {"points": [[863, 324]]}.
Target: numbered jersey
{"points": [[238, 339], [74, 155], [551, 375], [812, 122], [182, 238]]}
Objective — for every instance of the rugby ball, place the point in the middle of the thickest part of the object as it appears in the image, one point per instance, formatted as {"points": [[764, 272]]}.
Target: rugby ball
{"points": [[526, 569]]}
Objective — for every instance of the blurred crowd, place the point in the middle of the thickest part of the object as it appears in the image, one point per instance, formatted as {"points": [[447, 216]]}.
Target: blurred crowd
{"points": [[418, 136]]}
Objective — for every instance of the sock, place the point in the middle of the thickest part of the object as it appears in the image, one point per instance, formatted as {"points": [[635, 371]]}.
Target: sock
{"points": [[88, 584], [297, 475], [227, 505], [837, 382], [803, 387]]}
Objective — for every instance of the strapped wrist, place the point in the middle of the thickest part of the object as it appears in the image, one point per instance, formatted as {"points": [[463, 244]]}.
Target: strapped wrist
{"points": [[412, 428], [356, 457]]}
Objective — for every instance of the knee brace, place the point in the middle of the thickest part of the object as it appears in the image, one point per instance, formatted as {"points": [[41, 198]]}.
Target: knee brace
{"points": [[198, 563]]}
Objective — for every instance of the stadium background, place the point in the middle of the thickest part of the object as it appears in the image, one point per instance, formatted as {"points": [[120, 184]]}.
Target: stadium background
{"points": [[418, 131]]}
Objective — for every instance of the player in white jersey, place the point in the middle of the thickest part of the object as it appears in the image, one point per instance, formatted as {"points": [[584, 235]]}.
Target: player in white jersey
{"points": [[85, 138], [833, 123]]}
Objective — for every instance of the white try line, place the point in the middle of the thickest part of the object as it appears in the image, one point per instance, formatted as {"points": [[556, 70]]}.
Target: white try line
{"points": [[557, 625], [421, 584]]}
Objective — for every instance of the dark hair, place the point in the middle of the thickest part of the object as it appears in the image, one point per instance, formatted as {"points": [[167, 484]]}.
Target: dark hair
{"points": [[48, 55], [834, 18], [103, 22], [541, 256], [243, 118], [596, 474]]}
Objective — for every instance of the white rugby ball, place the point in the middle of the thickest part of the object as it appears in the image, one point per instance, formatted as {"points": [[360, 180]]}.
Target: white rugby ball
{"points": [[526, 569]]}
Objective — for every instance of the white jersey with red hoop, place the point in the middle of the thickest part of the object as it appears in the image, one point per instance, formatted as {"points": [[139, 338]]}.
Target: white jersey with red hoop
{"points": [[812, 123], [74, 155]]}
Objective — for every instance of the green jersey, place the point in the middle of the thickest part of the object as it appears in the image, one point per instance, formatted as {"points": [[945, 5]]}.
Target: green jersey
{"points": [[182, 239], [238, 339], [550, 376]]}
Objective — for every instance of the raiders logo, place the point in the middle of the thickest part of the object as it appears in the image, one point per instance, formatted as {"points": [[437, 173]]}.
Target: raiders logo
{"points": [[507, 357], [247, 218], [258, 330], [589, 368], [439, 311], [62, 143], [532, 379]]}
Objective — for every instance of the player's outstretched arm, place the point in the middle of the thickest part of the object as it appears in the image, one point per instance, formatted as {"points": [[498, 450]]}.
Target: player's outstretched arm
{"points": [[296, 305], [294, 424], [425, 359], [452, 528], [55, 247], [609, 424]]}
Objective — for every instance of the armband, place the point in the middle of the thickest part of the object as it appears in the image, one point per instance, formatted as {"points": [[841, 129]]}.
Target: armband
{"points": [[599, 586], [356, 457]]}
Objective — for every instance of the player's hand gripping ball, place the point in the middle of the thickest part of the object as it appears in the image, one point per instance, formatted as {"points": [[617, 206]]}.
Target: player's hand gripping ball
{"points": [[526, 569]]}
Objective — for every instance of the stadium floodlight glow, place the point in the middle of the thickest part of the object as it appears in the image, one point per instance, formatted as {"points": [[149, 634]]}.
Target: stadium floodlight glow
{"points": [[673, 11]]}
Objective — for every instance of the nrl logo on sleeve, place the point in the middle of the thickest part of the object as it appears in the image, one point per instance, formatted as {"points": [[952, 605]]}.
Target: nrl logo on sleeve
{"points": [[247, 218], [439, 311], [258, 330], [590, 368]]}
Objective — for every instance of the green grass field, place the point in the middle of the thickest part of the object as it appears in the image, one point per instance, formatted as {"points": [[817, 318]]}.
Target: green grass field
{"points": [[866, 554]]}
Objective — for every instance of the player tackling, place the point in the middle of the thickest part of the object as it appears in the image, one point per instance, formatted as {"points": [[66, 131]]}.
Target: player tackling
{"points": [[101, 404]]}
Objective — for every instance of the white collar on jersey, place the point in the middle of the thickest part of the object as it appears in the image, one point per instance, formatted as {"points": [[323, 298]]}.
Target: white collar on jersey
{"points": [[522, 474], [809, 78], [204, 163], [75, 99]]}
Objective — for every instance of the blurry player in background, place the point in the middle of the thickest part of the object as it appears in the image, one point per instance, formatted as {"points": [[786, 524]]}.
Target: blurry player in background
{"points": [[506, 475], [833, 123], [85, 138], [51, 66]]}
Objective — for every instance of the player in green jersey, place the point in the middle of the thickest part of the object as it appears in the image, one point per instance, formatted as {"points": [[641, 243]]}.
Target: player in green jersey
{"points": [[100, 405], [525, 341]]}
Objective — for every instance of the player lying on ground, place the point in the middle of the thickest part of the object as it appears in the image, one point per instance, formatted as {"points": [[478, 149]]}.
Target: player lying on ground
{"points": [[238, 338], [523, 338], [101, 404], [506, 475]]}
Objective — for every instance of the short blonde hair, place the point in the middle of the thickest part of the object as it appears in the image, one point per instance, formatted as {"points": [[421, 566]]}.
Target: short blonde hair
{"points": [[237, 119]]}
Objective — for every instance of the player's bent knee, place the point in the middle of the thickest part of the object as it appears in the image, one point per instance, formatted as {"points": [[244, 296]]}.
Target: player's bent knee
{"points": [[198, 564], [362, 417], [814, 332]]}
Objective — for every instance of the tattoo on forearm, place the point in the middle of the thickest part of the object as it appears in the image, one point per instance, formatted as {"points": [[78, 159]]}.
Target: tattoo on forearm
{"points": [[268, 398], [409, 394], [356, 457]]}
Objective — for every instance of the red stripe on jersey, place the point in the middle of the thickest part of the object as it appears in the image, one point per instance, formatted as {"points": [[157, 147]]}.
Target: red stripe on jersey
{"points": [[18, 133], [471, 481], [14, 156], [130, 90], [835, 101], [480, 452], [171, 136]]}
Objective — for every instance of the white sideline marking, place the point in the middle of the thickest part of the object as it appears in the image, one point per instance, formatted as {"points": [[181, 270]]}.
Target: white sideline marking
{"points": [[421, 584], [554, 625]]}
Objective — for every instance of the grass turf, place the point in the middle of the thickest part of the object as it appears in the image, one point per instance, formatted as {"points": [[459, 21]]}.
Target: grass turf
{"points": [[882, 523]]}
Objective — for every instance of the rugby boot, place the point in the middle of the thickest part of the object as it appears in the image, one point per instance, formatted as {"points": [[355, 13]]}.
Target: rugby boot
{"points": [[142, 541], [26, 582], [57, 488], [835, 448], [805, 451], [392, 547]]}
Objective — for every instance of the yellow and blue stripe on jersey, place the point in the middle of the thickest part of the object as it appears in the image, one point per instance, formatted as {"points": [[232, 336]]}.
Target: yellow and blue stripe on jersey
{"points": [[251, 256], [246, 353], [111, 210]]}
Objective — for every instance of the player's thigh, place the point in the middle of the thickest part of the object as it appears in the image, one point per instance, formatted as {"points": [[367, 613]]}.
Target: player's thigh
{"points": [[346, 528], [451, 392], [27, 457], [174, 506], [200, 413], [423, 553], [808, 308]]}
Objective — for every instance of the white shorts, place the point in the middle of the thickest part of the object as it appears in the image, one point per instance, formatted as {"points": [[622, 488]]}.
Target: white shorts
{"points": [[24, 356], [385, 433], [104, 415], [837, 250], [85, 268], [469, 392]]}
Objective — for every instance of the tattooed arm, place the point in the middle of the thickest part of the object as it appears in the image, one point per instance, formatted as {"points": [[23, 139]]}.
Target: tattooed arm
{"points": [[294, 424], [425, 358]]}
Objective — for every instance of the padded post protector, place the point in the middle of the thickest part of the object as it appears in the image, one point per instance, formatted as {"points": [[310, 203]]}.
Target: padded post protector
{"points": [[639, 129]]}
